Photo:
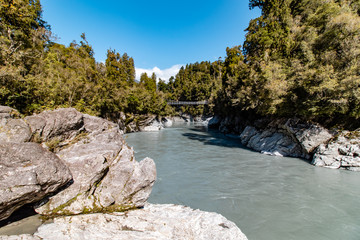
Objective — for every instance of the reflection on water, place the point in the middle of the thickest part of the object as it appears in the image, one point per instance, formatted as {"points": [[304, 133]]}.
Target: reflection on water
{"points": [[267, 197]]}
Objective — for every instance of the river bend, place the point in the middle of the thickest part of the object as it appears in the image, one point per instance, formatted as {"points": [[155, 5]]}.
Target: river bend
{"points": [[267, 197]]}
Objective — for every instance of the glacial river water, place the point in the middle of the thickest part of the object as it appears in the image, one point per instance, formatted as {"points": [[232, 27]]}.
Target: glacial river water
{"points": [[267, 197]]}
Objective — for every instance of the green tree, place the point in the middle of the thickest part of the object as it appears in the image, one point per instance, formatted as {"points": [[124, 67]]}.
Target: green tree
{"points": [[23, 35], [148, 83], [301, 58]]}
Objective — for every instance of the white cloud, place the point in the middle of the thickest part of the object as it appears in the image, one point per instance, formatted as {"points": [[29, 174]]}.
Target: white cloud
{"points": [[164, 74]]}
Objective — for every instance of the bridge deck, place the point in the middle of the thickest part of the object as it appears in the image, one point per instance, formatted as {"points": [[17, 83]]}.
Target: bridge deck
{"points": [[205, 102]]}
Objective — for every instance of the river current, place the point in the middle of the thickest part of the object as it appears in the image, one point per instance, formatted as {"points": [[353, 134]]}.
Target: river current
{"points": [[267, 197]]}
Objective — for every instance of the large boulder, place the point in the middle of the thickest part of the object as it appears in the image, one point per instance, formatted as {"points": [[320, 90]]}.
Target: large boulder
{"points": [[106, 175], [63, 123], [270, 142], [153, 222], [28, 173], [341, 152], [308, 135]]}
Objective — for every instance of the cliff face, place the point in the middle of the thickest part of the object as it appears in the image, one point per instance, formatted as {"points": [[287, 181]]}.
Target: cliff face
{"points": [[295, 138]]}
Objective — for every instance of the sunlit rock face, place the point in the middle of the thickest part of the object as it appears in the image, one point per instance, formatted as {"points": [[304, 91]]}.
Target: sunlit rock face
{"points": [[106, 176], [28, 173], [341, 152], [86, 153], [160, 222]]}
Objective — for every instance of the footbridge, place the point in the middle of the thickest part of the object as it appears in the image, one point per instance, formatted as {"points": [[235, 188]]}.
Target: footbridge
{"points": [[177, 103]]}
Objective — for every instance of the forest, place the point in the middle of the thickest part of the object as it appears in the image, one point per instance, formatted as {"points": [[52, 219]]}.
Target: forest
{"points": [[300, 58]]}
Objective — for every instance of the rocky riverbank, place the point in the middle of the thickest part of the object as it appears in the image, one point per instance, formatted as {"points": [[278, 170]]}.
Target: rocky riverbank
{"points": [[67, 165], [295, 138], [151, 123]]}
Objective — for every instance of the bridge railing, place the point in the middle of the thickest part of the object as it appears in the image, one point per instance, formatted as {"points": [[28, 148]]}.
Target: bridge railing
{"points": [[175, 103]]}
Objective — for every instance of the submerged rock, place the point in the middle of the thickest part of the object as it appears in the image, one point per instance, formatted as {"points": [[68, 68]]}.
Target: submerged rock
{"points": [[341, 152], [27, 174], [153, 222]]}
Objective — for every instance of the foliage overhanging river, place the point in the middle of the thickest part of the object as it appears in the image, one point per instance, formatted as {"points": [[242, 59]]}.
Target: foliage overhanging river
{"points": [[267, 197]]}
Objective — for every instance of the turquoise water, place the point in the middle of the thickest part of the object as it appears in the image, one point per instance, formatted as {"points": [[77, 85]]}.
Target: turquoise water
{"points": [[267, 197]]}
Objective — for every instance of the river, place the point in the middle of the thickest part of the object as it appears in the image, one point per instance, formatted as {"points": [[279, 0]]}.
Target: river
{"points": [[267, 197]]}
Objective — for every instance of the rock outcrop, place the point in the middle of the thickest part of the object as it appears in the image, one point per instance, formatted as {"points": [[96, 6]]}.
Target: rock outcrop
{"points": [[282, 137], [28, 173], [294, 138], [106, 176], [88, 150], [153, 222], [308, 135], [341, 152], [139, 123], [270, 142]]}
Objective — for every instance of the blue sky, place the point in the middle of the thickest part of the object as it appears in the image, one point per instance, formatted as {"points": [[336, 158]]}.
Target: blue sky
{"points": [[160, 35]]}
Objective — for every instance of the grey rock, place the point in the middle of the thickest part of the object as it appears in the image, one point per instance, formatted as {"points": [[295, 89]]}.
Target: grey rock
{"points": [[96, 125], [27, 174], [153, 222], [20, 237], [14, 130], [106, 175], [128, 182], [167, 122], [202, 120], [137, 123], [150, 124], [309, 135], [284, 137], [248, 133], [341, 152], [63, 123], [270, 142], [153, 126], [8, 112], [178, 119]]}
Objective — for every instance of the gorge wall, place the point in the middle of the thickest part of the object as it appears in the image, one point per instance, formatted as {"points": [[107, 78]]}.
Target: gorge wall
{"points": [[295, 138]]}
